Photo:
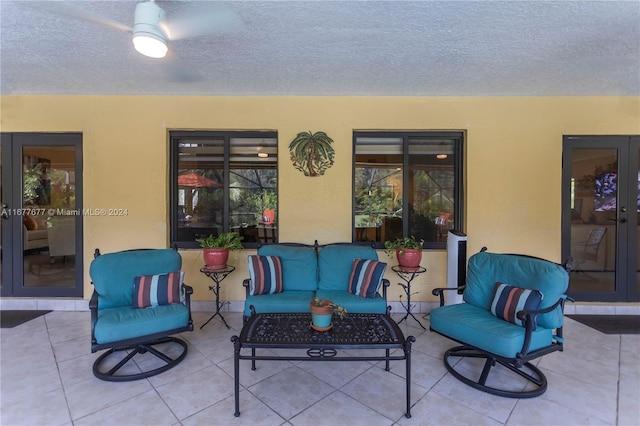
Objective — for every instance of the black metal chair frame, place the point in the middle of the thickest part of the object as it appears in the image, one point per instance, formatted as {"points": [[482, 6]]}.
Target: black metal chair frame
{"points": [[139, 345], [517, 364]]}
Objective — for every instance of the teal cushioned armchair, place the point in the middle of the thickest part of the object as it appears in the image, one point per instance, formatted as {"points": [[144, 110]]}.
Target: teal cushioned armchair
{"points": [[118, 326], [498, 341]]}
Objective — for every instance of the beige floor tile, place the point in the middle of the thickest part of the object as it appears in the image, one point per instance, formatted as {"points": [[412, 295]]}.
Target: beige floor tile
{"points": [[252, 412], [46, 379], [264, 369], [383, 391], [494, 407], [197, 391], [193, 362], [92, 395], [335, 408], [144, 409], [539, 411], [435, 409], [335, 373], [291, 391], [49, 408], [573, 392]]}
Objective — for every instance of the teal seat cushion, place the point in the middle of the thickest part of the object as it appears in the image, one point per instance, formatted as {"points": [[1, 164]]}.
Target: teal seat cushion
{"points": [[335, 262], [122, 323], [486, 269], [299, 265], [476, 326], [112, 274], [287, 301], [354, 303]]}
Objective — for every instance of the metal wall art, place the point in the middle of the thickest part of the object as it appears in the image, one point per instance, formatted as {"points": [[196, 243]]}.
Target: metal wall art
{"points": [[311, 153]]}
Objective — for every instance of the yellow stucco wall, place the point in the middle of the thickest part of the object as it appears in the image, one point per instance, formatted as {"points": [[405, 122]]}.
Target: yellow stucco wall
{"points": [[512, 168]]}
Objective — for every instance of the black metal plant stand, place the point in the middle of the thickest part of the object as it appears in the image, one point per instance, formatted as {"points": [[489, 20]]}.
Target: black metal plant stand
{"points": [[407, 275], [217, 275]]}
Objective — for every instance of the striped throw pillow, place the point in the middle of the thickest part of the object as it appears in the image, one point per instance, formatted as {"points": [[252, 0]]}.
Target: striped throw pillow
{"points": [[155, 290], [266, 274], [366, 277], [509, 300]]}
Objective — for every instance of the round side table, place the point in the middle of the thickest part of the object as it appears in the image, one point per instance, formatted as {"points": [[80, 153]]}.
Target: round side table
{"points": [[217, 275], [407, 275]]}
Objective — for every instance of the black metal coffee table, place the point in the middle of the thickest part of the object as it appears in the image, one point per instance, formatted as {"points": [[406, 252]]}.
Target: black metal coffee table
{"points": [[293, 331]]}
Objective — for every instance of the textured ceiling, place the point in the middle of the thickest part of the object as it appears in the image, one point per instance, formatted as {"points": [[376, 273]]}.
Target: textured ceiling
{"points": [[421, 48]]}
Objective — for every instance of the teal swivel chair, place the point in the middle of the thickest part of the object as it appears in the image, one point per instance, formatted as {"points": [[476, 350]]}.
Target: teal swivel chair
{"points": [[512, 314], [128, 327]]}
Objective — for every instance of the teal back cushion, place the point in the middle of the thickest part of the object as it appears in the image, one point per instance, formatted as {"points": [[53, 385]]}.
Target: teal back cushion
{"points": [[336, 261], [112, 274], [486, 269], [299, 265]]}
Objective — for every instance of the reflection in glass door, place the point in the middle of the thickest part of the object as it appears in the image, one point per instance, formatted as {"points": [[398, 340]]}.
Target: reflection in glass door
{"points": [[601, 203], [41, 194]]}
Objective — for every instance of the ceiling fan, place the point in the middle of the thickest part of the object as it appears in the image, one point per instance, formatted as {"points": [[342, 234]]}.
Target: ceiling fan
{"points": [[153, 29]]}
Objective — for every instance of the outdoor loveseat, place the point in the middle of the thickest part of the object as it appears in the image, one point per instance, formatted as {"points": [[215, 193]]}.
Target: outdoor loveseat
{"points": [[286, 277]]}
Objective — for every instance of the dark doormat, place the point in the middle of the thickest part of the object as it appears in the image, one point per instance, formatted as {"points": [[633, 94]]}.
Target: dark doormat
{"points": [[611, 324], [10, 319]]}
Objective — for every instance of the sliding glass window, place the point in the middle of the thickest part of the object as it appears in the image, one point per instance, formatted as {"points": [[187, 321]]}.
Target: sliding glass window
{"points": [[407, 184], [221, 182]]}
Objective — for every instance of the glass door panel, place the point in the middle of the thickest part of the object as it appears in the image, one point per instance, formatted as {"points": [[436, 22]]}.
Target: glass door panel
{"points": [[600, 206], [634, 240], [593, 219], [41, 187], [49, 215]]}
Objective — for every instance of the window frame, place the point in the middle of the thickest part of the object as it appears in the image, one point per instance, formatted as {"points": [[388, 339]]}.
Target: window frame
{"points": [[175, 137], [458, 192]]}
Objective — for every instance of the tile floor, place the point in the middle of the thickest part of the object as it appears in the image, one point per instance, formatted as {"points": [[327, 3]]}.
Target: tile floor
{"points": [[46, 379]]}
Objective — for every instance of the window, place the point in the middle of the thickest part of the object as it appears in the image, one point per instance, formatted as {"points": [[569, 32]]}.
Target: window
{"points": [[407, 184], [221, 182]]}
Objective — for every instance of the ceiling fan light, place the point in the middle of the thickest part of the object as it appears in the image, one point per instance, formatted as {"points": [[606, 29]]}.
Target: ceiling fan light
{"points": [[149, 45], [148, 37]]}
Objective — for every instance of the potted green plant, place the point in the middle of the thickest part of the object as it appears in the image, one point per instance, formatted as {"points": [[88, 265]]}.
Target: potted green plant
{"points": [[215, 250], [322, 311], [408, 251]]}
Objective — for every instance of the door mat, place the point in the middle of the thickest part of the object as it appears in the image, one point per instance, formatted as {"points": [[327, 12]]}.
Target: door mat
{"points": [[610, 324], [10, 319]]}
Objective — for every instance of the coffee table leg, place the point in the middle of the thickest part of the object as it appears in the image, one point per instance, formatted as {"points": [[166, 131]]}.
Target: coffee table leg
{"points": [[253, 359], [407, 351], [387, 360], [236, 372]]}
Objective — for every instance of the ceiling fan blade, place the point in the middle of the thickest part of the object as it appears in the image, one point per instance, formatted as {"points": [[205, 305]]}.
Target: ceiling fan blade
{"points": [[66, 10], [200, 18], [179, 71]]}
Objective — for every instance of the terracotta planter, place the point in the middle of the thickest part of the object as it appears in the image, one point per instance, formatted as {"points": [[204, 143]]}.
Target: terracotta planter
{"points": [[215, 258], [321, 316], [410, 258]]}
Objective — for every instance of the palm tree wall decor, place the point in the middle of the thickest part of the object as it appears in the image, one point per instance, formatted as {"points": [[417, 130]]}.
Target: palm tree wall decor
{"points": [[311, 153]]}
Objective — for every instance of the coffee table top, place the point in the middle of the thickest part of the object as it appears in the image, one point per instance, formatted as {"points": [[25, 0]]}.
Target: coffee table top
{"points": [[294, 330]]}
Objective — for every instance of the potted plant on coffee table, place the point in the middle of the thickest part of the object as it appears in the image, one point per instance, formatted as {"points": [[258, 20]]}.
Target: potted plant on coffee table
{"points": [[215, 250], [322, 312], [408, 251]]}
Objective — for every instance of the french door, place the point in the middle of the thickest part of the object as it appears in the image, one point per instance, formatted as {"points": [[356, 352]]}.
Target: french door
{"points": [[601, 216], [41, 226]]}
